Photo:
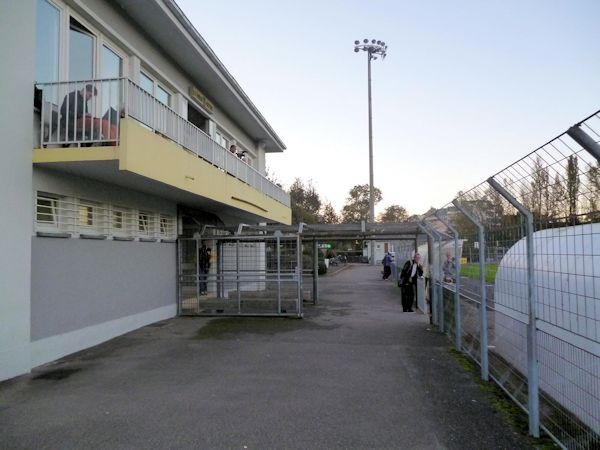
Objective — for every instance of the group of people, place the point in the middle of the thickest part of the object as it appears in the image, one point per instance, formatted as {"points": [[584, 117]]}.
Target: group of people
{"points": [[233, 149], [413, 270]]}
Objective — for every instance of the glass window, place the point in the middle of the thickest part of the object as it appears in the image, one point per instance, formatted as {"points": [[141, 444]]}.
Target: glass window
{"points": [[146, 83], [112, 64], [111, 67], [46, 210], [46, 42], [86, 215], [81, 52], [162, 96], [118, 220]]}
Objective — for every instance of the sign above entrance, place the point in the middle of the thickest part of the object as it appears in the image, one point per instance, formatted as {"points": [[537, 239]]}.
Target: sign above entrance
{"points": [[199, 97]]}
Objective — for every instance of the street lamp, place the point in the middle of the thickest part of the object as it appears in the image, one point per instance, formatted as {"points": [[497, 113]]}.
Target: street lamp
{"points": [[374, 49]]}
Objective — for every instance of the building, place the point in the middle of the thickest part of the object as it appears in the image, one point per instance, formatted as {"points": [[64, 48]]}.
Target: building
{"points": [[118, 121]]}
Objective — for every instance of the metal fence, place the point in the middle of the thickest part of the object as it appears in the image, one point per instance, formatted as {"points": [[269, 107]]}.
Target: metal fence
{"points": [[86, 113], [517, 282], [258, 274]]}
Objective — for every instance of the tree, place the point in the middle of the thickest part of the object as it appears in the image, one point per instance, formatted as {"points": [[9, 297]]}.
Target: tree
{"points": [[357, 203], [305, 202], [328, 214], [393, 214], [593, 177], [557, 198], [540, 181], [572, 187]]}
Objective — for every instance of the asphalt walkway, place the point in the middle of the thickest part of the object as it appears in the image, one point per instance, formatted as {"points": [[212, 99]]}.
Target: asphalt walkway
{"points": [[356, 373]]}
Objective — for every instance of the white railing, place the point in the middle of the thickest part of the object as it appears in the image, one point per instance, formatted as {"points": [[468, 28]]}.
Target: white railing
{"points": [[73, 216], [88, 113]]}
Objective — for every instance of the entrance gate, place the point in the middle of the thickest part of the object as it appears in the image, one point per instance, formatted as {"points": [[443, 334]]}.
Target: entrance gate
{"points": [[252, 273]]}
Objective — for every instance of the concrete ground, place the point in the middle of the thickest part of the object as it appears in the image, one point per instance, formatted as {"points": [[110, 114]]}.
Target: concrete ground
{"points": [[355, 373]]}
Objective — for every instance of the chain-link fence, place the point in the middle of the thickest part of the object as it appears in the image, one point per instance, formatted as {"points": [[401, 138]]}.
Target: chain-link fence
{"points": [[516, 282]]}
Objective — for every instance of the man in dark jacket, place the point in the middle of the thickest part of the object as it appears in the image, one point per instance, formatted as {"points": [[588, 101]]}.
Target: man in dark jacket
{"points": [[408, 281], [75, 121]]}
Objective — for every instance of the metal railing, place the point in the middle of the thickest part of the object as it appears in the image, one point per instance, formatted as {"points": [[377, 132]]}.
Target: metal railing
{"points": [[71, 217], [529, 286], [89, 112]]}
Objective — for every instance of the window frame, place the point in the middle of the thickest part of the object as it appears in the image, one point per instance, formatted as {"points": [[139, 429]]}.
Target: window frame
{"points": [[156, 84]]}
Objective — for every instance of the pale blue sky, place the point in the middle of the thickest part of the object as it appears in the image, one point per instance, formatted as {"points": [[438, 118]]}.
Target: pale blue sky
{"points": [[468, 86]]}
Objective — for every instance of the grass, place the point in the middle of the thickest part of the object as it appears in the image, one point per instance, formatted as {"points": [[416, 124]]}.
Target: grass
{"points": [[472, 271], [504, 405]]}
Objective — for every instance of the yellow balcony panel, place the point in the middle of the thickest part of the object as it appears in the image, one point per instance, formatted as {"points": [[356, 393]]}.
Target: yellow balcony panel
{"points": [[148, 162]]}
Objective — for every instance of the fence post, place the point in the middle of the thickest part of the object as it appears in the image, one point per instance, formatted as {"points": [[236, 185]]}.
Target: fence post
{"points": [[585, 140], [457, 324], [237, 275], [483, 325], [278, 253], [300, 274], [533, 400], [434, 292], [315, 271]]}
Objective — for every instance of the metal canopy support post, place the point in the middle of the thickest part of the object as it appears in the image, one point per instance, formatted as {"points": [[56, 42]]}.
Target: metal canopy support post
{"points": [[278, 252], [483, 325], [197, 272], [533, 400], [585, 140], [433, 290], [237, 275], [315, 271], [457, 324], [299, 272]]}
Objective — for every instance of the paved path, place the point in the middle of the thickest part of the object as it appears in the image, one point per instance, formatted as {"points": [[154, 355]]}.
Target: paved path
{"points": [[356, 373]]}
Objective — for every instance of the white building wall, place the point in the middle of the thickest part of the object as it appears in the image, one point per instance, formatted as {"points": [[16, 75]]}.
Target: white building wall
{"points": [[115, 25], [17, 45]]}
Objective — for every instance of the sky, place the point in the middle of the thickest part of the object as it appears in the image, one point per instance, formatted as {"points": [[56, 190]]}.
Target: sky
{"points": [[467, 88]]}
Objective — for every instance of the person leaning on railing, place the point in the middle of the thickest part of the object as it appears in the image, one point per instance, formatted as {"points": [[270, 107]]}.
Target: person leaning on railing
{"points": [[76, 123]]}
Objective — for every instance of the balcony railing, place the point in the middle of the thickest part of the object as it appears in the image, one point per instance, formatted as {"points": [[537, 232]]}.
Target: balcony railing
{"points": [[86, 113]]}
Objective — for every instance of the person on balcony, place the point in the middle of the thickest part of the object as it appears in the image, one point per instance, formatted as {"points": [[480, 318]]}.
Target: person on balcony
{"points": [[75, 121]]}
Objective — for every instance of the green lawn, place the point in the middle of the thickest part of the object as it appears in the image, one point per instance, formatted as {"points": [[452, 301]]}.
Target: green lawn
{"points": [[472, 271]]}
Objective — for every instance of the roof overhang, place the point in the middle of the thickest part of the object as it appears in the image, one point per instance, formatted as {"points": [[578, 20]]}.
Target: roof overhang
{"points": [[165, 24]]}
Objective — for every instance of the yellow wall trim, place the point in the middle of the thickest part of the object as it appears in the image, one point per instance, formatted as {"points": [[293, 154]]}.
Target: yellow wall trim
{"points": [[150, 155], [71, 154]]}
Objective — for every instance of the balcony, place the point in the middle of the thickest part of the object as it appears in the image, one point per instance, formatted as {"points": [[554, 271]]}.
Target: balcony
{"points": [[115, 120]]}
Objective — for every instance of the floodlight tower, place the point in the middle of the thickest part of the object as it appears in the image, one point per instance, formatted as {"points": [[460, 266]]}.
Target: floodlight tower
{"points": [[374, 49]]}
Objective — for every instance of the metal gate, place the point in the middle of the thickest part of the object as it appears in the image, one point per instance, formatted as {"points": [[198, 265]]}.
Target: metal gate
{"points": [[254, 274]]}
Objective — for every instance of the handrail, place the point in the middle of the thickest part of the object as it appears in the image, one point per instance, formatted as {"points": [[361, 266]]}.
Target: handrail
{"points": [[121, 97]]}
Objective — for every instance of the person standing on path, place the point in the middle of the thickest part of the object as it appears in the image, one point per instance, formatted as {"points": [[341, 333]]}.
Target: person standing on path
{"points": [[408, 281], [204, 254], [387, 265]]}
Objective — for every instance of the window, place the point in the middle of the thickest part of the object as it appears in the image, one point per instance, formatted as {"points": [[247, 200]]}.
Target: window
{"points": [[162, 96], [222, 140], [118, 220], [146, 83], [154, 89], [90, 215], [47, 210], [167, 226], [47, 42], [112, 64], [145, 224], [81, 52]]}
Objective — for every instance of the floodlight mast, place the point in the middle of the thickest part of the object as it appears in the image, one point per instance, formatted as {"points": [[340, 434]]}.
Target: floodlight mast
{"points": [[374, 48]]}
